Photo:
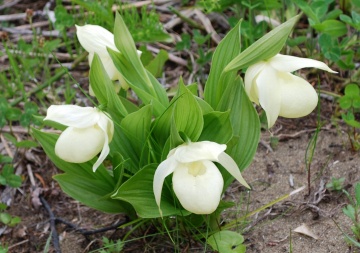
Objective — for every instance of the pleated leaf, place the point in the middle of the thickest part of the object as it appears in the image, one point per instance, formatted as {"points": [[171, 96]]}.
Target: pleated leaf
{"points": [[226, 51], [264, 48]]}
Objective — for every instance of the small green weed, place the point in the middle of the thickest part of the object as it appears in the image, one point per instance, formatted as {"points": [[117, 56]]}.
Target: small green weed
{"points": [[3, 248], [350, 104], [331, 25], [336, 184], [8, 177], [111, 246], [352, 211], [6, 218]]}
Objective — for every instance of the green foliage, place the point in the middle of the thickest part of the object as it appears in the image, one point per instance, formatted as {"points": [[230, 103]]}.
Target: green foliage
{"points": [[3, 248], [138, 191], [110, 246], [8, 176], [145, 26], [102, 12], [352, 211], [336, 184], [6, 218], [63, 18], [227, 242], [331, 24], [197, 43], [350, 104], [154, 65]]}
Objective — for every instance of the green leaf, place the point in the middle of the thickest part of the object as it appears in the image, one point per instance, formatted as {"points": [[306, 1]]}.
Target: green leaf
{"points": [[227, 242], [331, 27], [138, 191], [5, 159], [14, 221], [142, 85], [352, 90], [91, 192], [13, 181], [131, 67], [345, 102], [226, 51], [217, 127], [63, 18], [357, 194], [2, 180], [26, 144], [133, 137], [349, 211], [7, 170], [306, 8], [155, 67], [245, 123], [349, 119], [13, 114], [25, 119], [266, 47], [105, 91], [187, 113], [30, 108], [5, 218]]}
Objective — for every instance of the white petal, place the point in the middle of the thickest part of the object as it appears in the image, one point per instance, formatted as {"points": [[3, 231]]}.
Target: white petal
{"points": [[110, 68], [269, 88], [229, 164], [250, 83], [95, 39], [73, 115], [79, 145], [163, 170], [107, 126], [298, 97], [198, 194], [287, 63], [195, 151]]}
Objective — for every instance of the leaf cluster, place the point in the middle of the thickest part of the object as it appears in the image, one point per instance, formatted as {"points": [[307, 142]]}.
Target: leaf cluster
{"points": [[6, 218]]}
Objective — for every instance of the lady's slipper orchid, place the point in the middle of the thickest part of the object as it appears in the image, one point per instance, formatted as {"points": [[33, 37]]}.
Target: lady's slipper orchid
{"points": [[197, 182], [280, 93], [96, 39], [89, 133]]}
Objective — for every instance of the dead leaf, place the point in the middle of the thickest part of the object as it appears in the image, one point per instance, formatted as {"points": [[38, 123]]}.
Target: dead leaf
{"points": [[303, 229], [35, 199]]}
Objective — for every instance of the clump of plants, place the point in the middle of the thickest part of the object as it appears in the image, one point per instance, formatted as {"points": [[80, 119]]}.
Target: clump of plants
{"points": [[170, 160]]}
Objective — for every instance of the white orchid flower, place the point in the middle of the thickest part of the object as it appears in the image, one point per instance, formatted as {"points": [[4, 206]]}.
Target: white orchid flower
{"points": [[89, 132], [95, 39], [197, 182], [280, 93]]}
